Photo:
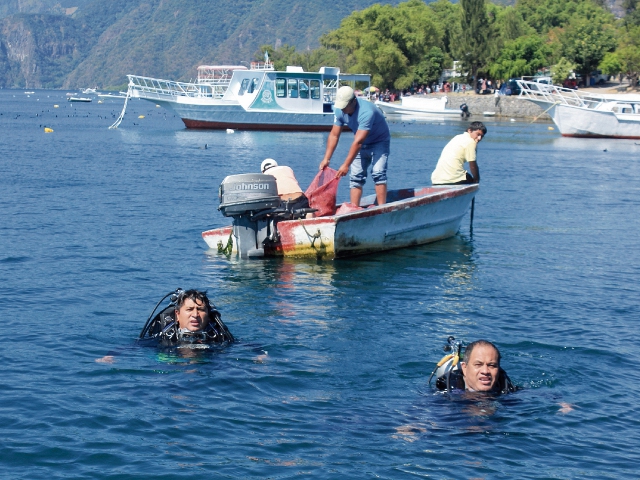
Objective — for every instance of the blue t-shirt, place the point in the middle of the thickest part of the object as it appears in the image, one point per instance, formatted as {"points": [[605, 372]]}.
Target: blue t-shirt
{"points": [[365, 117]]}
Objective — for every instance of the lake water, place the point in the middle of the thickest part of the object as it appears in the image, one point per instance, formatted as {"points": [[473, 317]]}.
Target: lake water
{"points": [[328, 378]]}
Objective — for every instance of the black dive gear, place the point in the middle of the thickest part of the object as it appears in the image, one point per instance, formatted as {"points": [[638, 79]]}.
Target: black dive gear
{"points": [[449, 375], [163, 327]]}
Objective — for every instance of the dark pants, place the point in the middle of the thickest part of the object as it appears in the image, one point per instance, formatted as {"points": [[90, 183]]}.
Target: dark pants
{"points": [[467, 181], [301, 202]]}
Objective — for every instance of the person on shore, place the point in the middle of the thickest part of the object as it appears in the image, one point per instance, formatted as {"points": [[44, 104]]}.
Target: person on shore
{"points": [[288, 187], [370, 145], [460, 149]]}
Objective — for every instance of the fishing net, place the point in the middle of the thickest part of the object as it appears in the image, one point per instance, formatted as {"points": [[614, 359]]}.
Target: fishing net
{"points": [[322, 192]]}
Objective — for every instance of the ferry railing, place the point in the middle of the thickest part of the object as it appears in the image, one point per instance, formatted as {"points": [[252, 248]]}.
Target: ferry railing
{"points": [[556, 95], [158, 88]]}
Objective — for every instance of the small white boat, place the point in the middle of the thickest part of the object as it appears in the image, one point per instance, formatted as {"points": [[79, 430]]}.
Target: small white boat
{"points": [[412, 216], [29, 93], [419, 105], [258, 98], [79, 99], [89, 91], [586, 114]]}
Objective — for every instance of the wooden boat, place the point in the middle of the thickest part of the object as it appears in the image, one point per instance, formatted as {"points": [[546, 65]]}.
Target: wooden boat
{"points": [[258, 98], [586, 115], [421, 106], [412, 216]]}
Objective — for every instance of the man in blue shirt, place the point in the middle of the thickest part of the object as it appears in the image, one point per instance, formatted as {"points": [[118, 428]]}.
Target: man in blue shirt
{"points": [[370, 145]]}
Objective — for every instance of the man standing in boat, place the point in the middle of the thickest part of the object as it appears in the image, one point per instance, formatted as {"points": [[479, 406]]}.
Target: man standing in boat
{"points": [[370, 145], [460, 149]]}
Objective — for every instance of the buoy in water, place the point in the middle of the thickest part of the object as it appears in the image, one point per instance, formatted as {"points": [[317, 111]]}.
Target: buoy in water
{"points": [[551, 128], [140, 116], [55, 106], [157, 106], [230, 130], [513, 119], [48, 130], [99, 101]]}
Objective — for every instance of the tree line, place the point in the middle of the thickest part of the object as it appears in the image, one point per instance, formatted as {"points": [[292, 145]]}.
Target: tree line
{"points": [[411, 43]]}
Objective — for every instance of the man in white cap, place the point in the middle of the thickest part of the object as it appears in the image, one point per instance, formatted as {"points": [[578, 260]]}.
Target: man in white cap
{"points": [[288, 187], [370, 145]]}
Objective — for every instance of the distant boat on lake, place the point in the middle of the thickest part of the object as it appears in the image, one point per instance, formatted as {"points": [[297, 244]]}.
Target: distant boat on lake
{"points": [[586, 114], [419, 105], [255, 98], [79, 99]]}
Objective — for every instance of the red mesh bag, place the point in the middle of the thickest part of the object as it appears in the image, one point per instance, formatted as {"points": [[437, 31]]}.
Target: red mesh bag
{"points": [[322, 192]]}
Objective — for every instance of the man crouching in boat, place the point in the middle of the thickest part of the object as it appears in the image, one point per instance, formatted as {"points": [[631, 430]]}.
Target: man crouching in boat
{"points": [[460, 149], [189, 319]]}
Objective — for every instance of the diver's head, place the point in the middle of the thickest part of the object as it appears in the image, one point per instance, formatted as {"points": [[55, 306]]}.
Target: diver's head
{"points": [[193, 310], [481, 366]]}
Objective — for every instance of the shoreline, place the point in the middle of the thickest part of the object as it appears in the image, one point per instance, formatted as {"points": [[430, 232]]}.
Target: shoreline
{"points": [[516, 107]]}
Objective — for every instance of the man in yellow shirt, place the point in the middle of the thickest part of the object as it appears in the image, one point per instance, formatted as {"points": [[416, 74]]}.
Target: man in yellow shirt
{"points": [[460, 149]]}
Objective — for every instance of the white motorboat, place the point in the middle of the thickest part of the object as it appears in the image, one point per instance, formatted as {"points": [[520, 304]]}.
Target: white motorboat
{"points": [[412, 216], [419, 105], [586, 114], [255, 98]]}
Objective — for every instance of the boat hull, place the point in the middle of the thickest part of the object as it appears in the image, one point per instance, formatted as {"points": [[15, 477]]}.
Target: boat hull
{"points": [[586, 115], [393, 109], [418, 216], [220, 115]]}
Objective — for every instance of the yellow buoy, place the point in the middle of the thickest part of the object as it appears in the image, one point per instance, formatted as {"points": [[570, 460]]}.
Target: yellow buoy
{"points": [[550, 128], [140, 116], [55, 106], [48, 130]]}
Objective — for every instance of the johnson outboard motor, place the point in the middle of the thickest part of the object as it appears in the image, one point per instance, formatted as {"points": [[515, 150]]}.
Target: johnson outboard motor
{"points": [[251, 199]]}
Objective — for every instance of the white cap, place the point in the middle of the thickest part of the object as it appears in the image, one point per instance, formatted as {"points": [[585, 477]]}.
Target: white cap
{"points": [[344, 96], [268, 163]]}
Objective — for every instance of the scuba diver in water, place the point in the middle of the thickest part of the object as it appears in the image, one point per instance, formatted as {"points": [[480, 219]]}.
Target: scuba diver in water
{"points": [[190, 319], [477, 370]]}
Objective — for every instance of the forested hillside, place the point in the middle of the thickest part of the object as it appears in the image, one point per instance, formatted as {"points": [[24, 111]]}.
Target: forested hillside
{"points": [[102, 41], [79, 43]]}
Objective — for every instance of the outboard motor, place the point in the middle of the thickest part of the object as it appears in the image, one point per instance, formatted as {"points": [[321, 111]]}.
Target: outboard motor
{"points": [[249, 199]]}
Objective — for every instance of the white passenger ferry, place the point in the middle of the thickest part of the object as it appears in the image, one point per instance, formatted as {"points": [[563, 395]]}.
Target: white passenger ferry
{"points": [[255, 98]]}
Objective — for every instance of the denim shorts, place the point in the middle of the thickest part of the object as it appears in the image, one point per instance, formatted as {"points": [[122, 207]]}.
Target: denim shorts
{"points": [[375, 155]]}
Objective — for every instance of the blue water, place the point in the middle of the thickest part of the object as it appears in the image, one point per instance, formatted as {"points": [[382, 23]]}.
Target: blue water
{"points": [[328, 377]]}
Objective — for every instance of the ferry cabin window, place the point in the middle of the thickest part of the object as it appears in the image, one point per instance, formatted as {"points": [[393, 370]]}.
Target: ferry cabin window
{"points": [[314, 85], [243, 86], [292, 88], [304, 88], [253, 86], [280, 87]]}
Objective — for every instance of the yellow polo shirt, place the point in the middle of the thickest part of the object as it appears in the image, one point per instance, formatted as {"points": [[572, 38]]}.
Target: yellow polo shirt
{"points": [[460, 149]]}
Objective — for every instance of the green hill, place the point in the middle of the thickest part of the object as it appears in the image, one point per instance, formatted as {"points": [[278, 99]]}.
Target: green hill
{"points": [[100, 42]]}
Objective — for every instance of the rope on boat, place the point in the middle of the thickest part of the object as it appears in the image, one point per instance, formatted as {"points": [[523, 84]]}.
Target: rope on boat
{"points": [[226, 250], [313, 237], [124, 109], [552, 105]]}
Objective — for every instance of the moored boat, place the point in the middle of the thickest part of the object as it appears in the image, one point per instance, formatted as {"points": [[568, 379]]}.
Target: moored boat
{"points": [[412, 216], [256, 98], [420, 105], [586, 114], [79, 99]]}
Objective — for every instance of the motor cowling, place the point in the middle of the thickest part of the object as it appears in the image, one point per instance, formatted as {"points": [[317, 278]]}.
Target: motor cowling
{"points": [[249, 198], [248, 193]]}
